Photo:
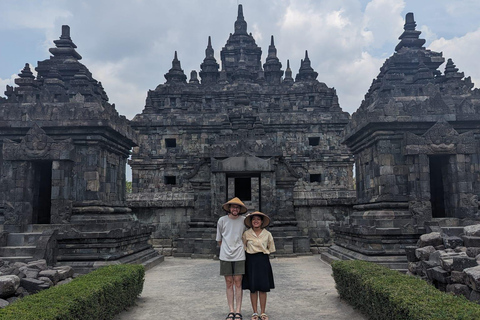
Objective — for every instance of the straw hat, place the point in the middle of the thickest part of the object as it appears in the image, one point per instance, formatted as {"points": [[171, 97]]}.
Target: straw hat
{"points": [[226, 205], [248, 219]]}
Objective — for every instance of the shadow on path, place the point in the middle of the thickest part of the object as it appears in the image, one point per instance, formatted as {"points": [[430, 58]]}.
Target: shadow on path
{"points": [[184, 288]]}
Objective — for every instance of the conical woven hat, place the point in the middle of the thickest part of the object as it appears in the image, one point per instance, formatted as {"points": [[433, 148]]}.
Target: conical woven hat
{"points": [[248, 219], [226, 205]]}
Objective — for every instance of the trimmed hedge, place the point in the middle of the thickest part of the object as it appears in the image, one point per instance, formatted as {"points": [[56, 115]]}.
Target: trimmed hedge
{"points": [[100, 294], [382, 293]]}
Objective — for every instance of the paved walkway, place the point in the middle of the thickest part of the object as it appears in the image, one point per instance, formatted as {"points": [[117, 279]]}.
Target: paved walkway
{"points": [[184, 288]]}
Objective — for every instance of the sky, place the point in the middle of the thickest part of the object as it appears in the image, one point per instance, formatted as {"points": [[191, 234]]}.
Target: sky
{"points": [[129, 45]]}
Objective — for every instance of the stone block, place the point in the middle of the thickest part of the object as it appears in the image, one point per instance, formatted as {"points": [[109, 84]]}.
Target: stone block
{"points": [[33, 285], [424, 253], [64, 272], [473, 230], [473, 277], [474, 296], [51, 274], [438, 274], [8, 285], [458, 277], [471, 241], [473, 252], [459, 290], [463, 262], [452, 241], [38, 264], [410, 252], [430, 239]]}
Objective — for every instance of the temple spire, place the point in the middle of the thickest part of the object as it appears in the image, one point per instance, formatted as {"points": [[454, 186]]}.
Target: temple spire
{"points": [[410, 36], [240, 24], [175, 74], [209, 67], [65, 48], [306, 72], [272, 66], [288, 74]]}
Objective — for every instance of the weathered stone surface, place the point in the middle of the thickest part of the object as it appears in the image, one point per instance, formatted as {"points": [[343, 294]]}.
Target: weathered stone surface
{"points": [[64, 272], [39, 265], [438, 274], [473, 230], [463, 262], [47, 281], [410, 252], [33, 285], [3, 303], [8, 285], [473, 252], [452, 241], [424, 252], [459, 290], [458, 277], [430, 239], [474, 296], [473, 277], [53, 275]]}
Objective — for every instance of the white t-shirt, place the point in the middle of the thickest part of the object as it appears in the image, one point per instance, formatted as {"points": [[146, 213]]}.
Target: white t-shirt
{"points": [[230, 232]]}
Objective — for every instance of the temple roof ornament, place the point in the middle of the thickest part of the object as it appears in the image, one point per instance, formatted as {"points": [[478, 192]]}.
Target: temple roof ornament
{"points": [[65, 48], [306, 72], [240, 23], [176, 74], [209, 68], [288, 74], [410, 37], [272, 66]]}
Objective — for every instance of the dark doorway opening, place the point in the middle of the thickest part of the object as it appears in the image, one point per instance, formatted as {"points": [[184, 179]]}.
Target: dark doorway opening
{"points": [[243, 188], [438, 170], [42, 192]]}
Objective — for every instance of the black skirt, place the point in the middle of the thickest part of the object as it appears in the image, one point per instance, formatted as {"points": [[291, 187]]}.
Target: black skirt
{"points": [[258, 273]]}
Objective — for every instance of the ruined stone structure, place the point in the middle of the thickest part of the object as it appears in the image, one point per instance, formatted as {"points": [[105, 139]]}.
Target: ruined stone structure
{"points": [[246, 130], [63, 153], [417, 156]]}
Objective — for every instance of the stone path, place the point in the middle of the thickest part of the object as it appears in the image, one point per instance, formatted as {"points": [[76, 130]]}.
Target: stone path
{"points": [[184, 288]]}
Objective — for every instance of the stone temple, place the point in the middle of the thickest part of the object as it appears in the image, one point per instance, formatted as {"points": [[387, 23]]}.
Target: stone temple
{"points": [[241, 127], [249, 130], [63, 158]]}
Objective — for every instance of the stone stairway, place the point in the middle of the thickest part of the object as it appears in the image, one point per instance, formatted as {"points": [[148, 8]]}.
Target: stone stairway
{"points": [[20, 246], [289, 241], [199, 241]]}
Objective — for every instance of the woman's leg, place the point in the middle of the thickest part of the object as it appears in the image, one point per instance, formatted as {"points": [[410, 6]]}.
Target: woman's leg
{"points": [[254, 300], [263, 301]]}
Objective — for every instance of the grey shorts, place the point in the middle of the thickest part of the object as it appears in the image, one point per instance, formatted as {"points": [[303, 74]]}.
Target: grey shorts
{"points": [[231, 268]]}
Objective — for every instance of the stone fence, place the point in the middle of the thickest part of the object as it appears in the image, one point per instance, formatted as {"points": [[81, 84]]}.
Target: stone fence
{"points": [[449, 262], [18, 279]]}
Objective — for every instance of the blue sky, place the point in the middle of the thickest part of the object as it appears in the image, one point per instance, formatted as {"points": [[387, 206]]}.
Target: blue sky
{"points": [[129, 45]]}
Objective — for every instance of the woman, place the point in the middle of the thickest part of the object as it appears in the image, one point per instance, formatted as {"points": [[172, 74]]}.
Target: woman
{"points": [[258, 276]]}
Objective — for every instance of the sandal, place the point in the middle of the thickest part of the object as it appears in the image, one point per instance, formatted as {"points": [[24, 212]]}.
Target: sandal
{"points": [[264, 316], [231, 315], [255, 316], [238, 316]]}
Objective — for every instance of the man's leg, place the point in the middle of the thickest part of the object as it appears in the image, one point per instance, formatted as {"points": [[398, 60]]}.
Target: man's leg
{"points": [[229, 285], [238, 292]]}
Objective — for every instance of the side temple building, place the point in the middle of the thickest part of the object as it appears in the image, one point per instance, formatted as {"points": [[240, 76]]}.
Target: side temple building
{"points": [[249, 130]]}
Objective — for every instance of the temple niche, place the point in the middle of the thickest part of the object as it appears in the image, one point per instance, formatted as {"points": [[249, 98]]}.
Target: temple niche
{"points": [[417, 156], [248, 130], [63, 154]]}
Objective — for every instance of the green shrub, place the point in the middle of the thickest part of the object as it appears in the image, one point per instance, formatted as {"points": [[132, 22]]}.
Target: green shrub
{"points": [[100, 294], [385, 294]]}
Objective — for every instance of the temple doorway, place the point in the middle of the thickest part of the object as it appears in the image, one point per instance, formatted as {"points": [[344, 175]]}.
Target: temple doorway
{"points": [[438, 178], [42, 192], [245, 186]]}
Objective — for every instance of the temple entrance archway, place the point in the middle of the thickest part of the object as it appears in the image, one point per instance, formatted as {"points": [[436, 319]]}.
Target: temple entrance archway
{"points": [[42, 192]]}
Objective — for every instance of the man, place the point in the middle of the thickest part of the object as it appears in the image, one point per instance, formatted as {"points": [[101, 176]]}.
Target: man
{"points": [[230, 229]]}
